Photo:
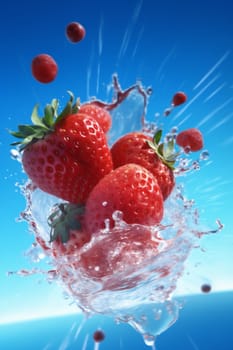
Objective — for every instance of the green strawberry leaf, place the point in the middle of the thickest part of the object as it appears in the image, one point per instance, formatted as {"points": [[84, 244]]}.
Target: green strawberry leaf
{"points": [[165, 151], [36, 120], [157, 137], [64, 218], [48, 118], [42, 126], [27, 130]]}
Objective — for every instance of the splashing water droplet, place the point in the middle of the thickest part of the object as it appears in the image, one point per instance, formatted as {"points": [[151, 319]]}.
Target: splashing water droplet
{"points": [[204, 155], [149, 339], [138, 293], [167, 112], [15, 154], [149, 90]]}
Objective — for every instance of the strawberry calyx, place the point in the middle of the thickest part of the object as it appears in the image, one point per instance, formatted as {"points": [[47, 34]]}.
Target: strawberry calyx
{"points": [[41, 126], [164, 150], [65, 217]]}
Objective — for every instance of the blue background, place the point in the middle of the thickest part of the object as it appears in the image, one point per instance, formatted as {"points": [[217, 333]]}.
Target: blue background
{"points": [[169, 45]]}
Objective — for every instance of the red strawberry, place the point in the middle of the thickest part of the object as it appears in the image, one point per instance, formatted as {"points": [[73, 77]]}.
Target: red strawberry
{"points": [[131, 189], [75, 32], [66, 235], [44, 68], [191, 139], [139, 148], [100, 114], [64, 155], [70, 249], [179, 98], [118, 251]]}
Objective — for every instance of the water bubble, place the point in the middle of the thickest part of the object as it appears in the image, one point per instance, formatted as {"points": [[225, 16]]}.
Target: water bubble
{"points": [[149, 339], [167, 112], [174, 130], [149, 90], [107, 225], [15, 154], [204, 155], [196, 165]]}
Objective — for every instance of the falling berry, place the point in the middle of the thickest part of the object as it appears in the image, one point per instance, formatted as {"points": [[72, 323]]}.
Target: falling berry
{"points": [[206, 288], [75, 32], [179, 98], [98, 336], [190, 138], [44, 68]]}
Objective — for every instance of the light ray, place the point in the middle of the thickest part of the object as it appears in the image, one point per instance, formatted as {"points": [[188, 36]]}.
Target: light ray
{"points": [[215, 92], [184, 119], [194, 345], [228, 141], [100, 37], [96, 346], [66, 341], [129, 31], [214, 112], [85, 342], [138, 40], [98, 79], [165, 60], [220, 123], [195, 97], [217, 64], [89, 72], [79, 328]]}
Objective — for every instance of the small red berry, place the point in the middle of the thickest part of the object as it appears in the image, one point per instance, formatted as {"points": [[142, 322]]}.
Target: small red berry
{"points": [[44, 68], [190, 138], [98, 336], [75, 32], [206, 288], [179, 98]]}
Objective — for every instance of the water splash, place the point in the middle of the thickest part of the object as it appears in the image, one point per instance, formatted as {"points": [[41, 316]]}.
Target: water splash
{"points": [[138, 293]]}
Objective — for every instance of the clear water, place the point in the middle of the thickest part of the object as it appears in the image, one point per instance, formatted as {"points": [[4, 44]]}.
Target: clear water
{"points": [[140, 294]]}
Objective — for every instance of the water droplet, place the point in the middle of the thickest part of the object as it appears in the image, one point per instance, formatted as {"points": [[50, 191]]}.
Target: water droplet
{"points": [[174, 130], [167, 112], [204, 155], [117, 215], [149, 339], [104, 204], [149, 90], [196, 165], [15, 154]]}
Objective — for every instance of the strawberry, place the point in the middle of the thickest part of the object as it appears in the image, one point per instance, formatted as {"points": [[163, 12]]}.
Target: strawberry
{"points": [[118, 251], [99, 113], [75, 32], [66, 235], [130, 189], [144, 150], [77, 239], [98, 336], [179, 98], [64, 155], [44, 68], [190, 139]]}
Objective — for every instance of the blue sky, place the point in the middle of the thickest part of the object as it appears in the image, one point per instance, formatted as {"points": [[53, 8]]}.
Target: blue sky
{"points": [[169, 45]]}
